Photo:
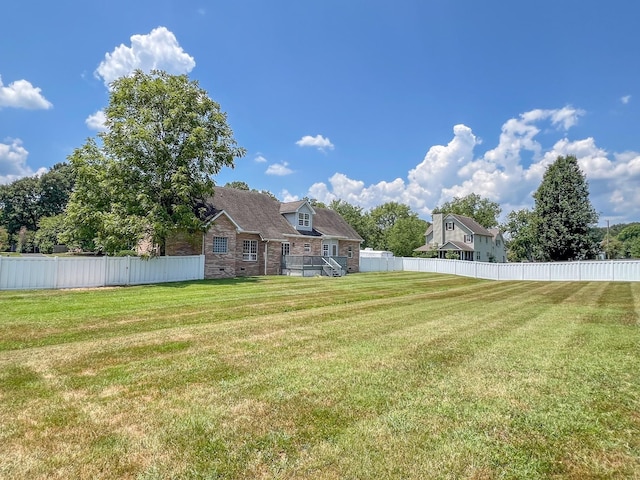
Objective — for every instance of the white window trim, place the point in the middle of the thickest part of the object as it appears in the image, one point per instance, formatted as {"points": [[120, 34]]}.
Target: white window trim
{"points": [[449, 224], [250, 250], [350, 251], [307, 248], [304, 219], [286, 247]]}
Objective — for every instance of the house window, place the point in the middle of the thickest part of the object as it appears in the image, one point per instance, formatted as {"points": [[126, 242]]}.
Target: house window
{"points": [[497, 243], [286, 248], [250, 250], [303, 219], [350, 252], [220, 245], [325, 250], [448, 226], [307, 248], [478, 256], [468, 239]]}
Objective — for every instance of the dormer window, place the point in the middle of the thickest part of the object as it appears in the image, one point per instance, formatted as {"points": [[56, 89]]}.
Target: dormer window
{"points": [[304, 220]]}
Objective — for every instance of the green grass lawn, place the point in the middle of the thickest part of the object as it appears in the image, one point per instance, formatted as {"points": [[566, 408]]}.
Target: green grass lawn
{"points": [[369, 376]]}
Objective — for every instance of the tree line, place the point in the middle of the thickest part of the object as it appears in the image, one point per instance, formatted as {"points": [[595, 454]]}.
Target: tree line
{"points": [[150, 172]]}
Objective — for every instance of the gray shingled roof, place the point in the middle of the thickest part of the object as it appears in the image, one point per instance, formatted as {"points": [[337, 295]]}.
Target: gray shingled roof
{"points": [[471, 224], [495, 232], [459, 245], [257, 212], [330, 223], [291, 207], [252, 212]]}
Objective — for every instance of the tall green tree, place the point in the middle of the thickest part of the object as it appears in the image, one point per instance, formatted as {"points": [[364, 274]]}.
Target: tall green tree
{"points": [[406, 234], [49, 228], [238, 185], [630, 238], [564, 213], [383, 218], [520, 235], [56, 186], [25, 201], [356, 217], [20, 204], [4, 239], [482, 210], [165, 139]]}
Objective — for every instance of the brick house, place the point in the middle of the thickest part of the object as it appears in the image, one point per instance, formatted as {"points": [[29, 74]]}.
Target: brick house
{"points": [[250, 233]]}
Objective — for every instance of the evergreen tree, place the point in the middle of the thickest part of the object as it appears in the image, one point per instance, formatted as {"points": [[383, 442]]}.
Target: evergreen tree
{"points": [[564, 215]]}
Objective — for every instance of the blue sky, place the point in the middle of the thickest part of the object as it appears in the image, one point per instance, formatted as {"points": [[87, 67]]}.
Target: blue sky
{"points": [[414, 101]]}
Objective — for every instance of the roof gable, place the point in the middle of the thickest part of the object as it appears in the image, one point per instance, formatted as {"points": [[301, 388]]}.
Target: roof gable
{"points": [[251, 212], [330, 223], [470, 224], [294, 207], [259, 213], [456, 245]]}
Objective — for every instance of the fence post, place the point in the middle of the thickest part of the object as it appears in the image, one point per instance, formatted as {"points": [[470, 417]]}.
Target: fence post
{"points": [[613, 271], [55, 272], [105, 278], [128, 270], [580, 271]]}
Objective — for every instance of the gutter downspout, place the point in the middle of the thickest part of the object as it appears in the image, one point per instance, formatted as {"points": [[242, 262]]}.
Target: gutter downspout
{"points": [[266, 246]]}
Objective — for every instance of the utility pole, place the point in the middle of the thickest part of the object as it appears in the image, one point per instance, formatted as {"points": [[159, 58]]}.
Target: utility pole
{"points": [[607, 239]]}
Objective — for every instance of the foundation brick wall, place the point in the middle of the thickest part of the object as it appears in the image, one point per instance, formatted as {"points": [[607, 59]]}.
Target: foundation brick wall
{"points": [[220, 265], [353, 263]]}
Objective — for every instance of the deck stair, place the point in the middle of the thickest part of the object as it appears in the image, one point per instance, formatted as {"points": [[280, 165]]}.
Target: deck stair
{"points": [[332, 268]]}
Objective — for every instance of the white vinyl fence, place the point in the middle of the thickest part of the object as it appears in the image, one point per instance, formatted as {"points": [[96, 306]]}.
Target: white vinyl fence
{"points": [[77, 272], [608, 271]]}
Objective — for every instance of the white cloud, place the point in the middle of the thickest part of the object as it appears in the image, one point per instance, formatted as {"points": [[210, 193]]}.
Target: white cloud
{"points": [[96, 120], [279, 169], [319, 142], [158, 50], [21, 94], [626, 99], [13, 161], [260, 159], [288, 197], [501, 173]]}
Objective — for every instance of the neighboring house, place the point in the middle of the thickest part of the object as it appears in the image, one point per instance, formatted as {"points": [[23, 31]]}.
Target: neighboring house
{"points": [[450, 233], [250, 233]]}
